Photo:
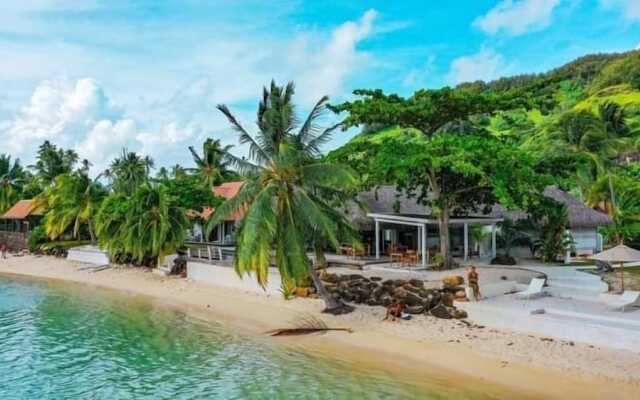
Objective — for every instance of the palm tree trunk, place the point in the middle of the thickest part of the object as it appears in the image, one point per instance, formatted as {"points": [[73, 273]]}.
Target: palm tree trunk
{"points": [[332, 305], [91, 233]]}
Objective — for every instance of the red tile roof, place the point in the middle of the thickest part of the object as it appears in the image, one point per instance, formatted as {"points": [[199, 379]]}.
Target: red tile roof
{"points": [[228, 189], [21, 210]]}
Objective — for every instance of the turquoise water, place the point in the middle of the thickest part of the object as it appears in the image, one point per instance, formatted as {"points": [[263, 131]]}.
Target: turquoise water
{"points": [[71, 342]]}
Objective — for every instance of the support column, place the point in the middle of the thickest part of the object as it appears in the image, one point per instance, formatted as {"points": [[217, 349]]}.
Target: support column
{"points": [[466, 242], [377, 239], [493, 241], [423, 244]]}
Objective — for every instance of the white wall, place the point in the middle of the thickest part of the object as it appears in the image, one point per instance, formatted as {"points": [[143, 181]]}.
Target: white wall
{"points": [[227, 277], [585, 238]]}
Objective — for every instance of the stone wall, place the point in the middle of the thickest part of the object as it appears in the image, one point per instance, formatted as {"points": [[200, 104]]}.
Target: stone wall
{"points": [[14, 240]]}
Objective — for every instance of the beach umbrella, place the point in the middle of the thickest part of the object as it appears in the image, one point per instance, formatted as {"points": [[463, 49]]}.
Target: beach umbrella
{"points": [[621, 254]]}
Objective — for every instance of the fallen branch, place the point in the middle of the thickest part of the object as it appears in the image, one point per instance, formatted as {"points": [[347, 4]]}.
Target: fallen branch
{"points": [[306, 326]]}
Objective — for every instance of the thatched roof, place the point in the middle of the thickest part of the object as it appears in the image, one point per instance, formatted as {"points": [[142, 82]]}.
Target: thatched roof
{"points": [[580, 216], [386, 199]]}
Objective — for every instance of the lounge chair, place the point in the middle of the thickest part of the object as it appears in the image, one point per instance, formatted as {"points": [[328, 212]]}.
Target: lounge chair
{"points": [[533, 291], [629, 298]]}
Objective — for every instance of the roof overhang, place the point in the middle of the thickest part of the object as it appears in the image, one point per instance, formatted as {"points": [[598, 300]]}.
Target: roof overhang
{"points": [[427, 220]]}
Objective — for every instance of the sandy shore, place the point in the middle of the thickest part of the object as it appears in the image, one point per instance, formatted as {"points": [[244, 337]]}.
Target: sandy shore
{"points": [[504, 364]]}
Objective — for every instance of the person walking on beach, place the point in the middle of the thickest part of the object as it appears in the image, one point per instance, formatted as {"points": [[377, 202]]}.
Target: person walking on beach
{"points": [[472, 280], [3, 250]]}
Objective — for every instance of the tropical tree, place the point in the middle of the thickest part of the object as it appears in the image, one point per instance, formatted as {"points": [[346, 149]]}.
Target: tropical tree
{"points": [[52, 161], [286, 194], [144, 227], [440, 116], [211, 166], [129, 171], [12, 177], [72, 201]]}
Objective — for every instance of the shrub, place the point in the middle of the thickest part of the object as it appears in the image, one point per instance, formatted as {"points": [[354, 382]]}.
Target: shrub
{"points": [[37, 238]]}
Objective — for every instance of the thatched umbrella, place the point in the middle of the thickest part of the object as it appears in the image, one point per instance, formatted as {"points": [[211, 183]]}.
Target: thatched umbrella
{"points": [[621, 254]]}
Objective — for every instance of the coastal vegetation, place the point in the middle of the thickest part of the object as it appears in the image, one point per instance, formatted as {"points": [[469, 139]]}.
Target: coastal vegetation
{"points": [[287, 193], [458, 150]]}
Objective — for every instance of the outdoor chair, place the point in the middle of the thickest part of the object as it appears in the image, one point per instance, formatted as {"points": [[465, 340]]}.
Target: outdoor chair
{"points": [[629, 298], [534, 290]]}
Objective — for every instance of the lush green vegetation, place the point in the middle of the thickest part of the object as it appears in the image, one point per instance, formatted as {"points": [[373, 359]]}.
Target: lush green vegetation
{"points": [[504, 140], [287, 194]]}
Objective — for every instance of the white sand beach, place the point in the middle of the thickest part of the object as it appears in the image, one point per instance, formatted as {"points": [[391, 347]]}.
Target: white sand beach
{"points": [[500, 360]]}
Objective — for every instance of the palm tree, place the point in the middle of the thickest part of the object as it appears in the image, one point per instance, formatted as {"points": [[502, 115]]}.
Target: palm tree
{"points": [[146, 225], [72, 200], [211, 167], [129, 171], [11, 181], [287, 193], [53, 161]]}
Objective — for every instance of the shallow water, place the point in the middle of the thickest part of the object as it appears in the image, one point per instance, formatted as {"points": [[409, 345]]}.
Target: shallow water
{"points": [[62, 341]]}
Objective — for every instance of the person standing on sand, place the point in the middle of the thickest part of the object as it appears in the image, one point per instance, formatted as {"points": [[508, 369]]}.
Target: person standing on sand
{"points": [[3, 250], [472, 280]]}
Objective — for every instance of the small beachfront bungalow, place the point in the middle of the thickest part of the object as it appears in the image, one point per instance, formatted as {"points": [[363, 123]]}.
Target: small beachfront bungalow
{"points": [[223, 233], [17, 223]]}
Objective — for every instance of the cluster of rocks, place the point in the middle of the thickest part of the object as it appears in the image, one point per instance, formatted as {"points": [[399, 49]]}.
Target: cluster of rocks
{"points": [[418, 299]]}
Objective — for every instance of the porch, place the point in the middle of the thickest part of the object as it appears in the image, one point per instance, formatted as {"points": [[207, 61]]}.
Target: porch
{"points": [[419, 233]]}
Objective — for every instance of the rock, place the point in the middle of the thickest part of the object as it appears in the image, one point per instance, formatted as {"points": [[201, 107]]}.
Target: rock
{"points": [[459, 314], [373, 302], [440, 311], [400, 293], [331, 278], [376, 278], [378, 292], [302, 292], [417, 283], [410, 288], [447, 299], [460, 295], [414, 310], [388, 282], [386, 300], [452, 280], [413, 299], [399, 282]]}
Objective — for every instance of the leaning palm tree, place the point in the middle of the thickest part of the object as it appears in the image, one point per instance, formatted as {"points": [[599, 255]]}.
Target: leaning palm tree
{"points": [[211, 167], [146, 226], [72, 201], [11, 180], [129, 171], [287, 193]]}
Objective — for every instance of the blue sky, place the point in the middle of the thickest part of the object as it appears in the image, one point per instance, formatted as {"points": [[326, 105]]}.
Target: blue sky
{"points": [[99, 75]]}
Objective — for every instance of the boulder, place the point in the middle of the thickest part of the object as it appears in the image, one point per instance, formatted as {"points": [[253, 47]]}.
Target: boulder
{"points": [[447, 299], [302, 292], [410, 288], [460, 295], [453, 280], [417, 283], [400, 293], [376, 278], [440, 311], [412, 299], [386, 300], [414, 310], [459, 314], [331, 278], [374, 302]]}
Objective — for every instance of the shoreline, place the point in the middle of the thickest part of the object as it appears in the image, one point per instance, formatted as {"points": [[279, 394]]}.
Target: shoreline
{"points": [[495, 363]]}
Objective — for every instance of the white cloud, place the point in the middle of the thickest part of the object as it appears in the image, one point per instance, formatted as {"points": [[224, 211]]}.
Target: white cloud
{"points": [[323, 70], [630, 8], [419, 76], [484, 65], [517, 17]]}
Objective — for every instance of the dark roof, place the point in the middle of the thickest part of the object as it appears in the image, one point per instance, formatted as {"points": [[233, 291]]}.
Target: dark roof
{"points": [[386, 199], [580, 216]]}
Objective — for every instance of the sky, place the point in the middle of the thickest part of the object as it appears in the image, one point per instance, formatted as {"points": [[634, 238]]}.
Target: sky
{"points": [[100, 75]]}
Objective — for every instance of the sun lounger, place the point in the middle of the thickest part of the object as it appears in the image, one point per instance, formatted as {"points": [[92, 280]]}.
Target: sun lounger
{"points": [[534, 290], [627, 299]]}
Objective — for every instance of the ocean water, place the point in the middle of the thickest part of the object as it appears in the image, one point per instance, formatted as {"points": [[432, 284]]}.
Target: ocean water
{"points": [[61, 341]]}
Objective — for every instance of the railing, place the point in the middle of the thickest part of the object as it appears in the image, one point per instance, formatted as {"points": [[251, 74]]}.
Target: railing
{"points": [[208, 252]]}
